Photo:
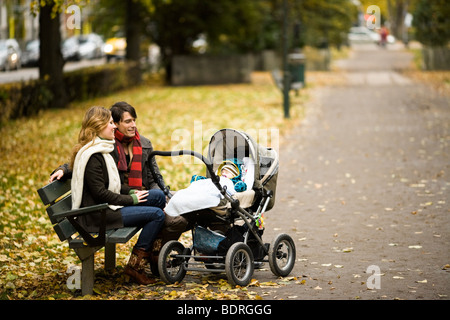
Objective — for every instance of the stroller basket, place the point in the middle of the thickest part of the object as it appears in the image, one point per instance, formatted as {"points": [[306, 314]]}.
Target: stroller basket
{"points": [[206, 241]]}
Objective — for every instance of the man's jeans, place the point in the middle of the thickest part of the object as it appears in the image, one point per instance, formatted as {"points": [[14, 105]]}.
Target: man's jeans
{"points": [[147, 215]]}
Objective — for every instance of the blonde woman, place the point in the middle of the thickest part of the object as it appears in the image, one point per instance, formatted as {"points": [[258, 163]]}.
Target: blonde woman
{"points": [[95, 180]]}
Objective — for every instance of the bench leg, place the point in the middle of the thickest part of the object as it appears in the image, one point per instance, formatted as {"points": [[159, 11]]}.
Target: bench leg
{"points": [[87, 275], [110, 256]]}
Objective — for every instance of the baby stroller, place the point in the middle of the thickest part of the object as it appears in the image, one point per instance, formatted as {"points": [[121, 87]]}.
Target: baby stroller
{"points": [[228, 238]]}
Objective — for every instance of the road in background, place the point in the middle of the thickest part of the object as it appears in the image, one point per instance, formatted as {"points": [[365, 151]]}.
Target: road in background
{"points": [[363, 187], [25, 74]]}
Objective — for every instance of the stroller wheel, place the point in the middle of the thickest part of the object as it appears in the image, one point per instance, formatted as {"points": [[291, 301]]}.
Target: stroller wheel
{"points": [[282, 255], [239, 264], [170, 264]]}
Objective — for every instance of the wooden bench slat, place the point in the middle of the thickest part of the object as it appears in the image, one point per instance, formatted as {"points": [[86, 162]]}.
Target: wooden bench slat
{"points": [[122, 235], [54, 190], [63, 205], [64, 230]]}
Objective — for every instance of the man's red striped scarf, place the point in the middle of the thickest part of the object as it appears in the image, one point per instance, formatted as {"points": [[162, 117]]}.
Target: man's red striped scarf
{"points": [[135, 174]]}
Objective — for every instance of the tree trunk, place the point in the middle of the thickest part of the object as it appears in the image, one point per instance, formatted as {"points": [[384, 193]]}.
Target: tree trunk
{"points": [[51, 62], [133, 35], [397, 12]]}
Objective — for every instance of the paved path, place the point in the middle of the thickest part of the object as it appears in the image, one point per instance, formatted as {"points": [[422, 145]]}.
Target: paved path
{"points": [[365, 183]]}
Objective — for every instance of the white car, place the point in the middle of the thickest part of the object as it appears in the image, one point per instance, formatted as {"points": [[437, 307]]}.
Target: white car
{"points": [[30, 56], [10, 55], [366, 35], [70, 49], [362, 35], [90, 46]]}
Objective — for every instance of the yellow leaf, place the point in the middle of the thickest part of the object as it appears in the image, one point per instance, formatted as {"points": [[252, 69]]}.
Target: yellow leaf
{"points": [[269, 283], [422, 281], [254, 283]]}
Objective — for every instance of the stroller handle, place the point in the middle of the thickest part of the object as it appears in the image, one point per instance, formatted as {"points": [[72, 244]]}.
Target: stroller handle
{"points": [[215, 179]]}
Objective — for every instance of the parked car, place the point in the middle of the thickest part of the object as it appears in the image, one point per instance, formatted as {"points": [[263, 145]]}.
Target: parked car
{"points": [[90, 46], [362, 35], [366, 35], [115, 48], [30, 57], [10, 55], [70, 49]]}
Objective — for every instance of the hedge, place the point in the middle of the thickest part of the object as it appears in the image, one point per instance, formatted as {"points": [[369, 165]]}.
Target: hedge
{"points": [[27, 98]]}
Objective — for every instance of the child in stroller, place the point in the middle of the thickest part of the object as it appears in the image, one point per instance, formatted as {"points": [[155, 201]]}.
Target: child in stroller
{"points": [[238, 215], [232, 169], [202, 193]]}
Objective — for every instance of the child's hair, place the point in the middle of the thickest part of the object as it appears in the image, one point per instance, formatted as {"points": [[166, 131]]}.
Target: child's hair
{"points": [[230, 166], [95, 120]]}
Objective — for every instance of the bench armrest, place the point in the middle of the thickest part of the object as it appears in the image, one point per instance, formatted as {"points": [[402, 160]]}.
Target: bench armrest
{"points": [[81, 211], [87, 237]]}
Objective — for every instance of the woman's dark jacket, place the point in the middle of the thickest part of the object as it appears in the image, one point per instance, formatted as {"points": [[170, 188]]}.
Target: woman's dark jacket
{"points": [[95, 191]]}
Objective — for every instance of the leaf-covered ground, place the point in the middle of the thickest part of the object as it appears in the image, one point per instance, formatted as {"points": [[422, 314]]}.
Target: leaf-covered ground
{"points": [[33, 262]]}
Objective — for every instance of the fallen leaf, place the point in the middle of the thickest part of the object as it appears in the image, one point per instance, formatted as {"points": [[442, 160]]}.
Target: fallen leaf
{"points": [[417, 185], [254, 283], [268, 284], [422, 281]]}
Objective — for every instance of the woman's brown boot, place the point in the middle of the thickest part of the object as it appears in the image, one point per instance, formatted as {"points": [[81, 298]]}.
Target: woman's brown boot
{"points": [[136, 266]]}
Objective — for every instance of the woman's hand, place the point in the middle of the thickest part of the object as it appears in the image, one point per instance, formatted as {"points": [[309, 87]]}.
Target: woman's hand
{"points": [[57, 175], [141, 195]]}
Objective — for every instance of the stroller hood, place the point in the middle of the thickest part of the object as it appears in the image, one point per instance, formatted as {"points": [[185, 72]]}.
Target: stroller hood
{"points": [[229, 143]]}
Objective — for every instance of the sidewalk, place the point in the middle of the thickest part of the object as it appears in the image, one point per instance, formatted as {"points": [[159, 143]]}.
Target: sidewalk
{"points": [[364, 188]]}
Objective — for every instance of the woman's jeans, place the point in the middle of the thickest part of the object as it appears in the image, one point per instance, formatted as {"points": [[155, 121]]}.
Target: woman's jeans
{"points": [[147, 215]]}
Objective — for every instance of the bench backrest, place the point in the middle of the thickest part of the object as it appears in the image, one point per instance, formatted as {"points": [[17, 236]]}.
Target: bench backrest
{"points": [[58, 198]]}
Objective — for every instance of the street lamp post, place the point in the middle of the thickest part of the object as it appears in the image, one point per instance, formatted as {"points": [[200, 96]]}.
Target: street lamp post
{"points": [[286, 74]]}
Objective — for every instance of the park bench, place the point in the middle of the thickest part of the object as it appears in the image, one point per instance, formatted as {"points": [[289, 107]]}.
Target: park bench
{"points": [[56, 196]]}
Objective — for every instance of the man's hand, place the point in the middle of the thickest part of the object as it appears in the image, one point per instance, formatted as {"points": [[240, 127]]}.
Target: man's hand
{"points": [[141, 195]]}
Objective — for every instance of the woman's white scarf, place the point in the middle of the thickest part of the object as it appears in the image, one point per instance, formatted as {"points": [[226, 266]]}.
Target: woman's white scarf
{"points": [[105, 147]]}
